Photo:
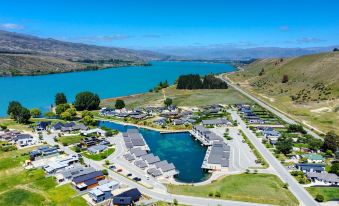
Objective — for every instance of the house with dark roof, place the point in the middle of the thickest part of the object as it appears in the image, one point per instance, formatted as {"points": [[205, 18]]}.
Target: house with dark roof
{"points": [[88, 181], [43, 151], [305, 167], [42, 126], [127, 198], [23, 140]]}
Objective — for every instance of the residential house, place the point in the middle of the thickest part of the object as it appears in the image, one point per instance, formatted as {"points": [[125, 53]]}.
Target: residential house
{"points": [[313, 158], [103, 192], [23, 140], [306, 167], [68, 174], [217, 157], [96, 149], [43, 151], [42, 126], [127, 198], [88, 181], [323, 178], [215, 122], [60, 164]]}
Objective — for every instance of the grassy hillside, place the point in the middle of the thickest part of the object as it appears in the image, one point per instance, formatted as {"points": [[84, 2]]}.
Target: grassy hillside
{"points": [[310, 94]]}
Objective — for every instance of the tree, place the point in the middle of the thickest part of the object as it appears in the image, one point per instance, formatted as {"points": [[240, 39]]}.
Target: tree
{"points": [[23, 116], [284, 79], [331, 141], [60, 98], [168, 101], [88, 120], [175, 202], [14, 108], [66, 116], [61, 108], [284, 145], [119, 104], [86, 113], [104, 172], [314, 143], [86, 101], [319, 198], [35, 112], [335, 168], [296, 128], [50, 114]]}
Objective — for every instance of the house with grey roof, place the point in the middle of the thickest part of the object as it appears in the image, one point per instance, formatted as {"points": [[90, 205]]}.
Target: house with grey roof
{"points": [[150, 159], [23, 140], [129, 157], [68, 174], [138, 152], [205, 136], [103, 192], [96, 149], [141, 164], [218, 122], [154, 172], [134, 139], [323, 178], [217, 157]]}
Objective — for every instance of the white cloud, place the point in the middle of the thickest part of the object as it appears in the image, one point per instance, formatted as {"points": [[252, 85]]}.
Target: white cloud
{"points": [[11, 26], [306, 40]]}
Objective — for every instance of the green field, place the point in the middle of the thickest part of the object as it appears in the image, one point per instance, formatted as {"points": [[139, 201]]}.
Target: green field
{"points": [[68, 140], [30, 187], [100, 156], [259, 188], [199, 97], [329, 193]]}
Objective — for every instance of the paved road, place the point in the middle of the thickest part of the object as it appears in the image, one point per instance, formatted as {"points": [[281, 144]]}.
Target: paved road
{"points": [[302, 195], [157, 193], [268, 107]]}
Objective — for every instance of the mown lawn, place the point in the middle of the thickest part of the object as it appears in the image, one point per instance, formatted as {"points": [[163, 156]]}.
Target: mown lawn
{"points": [[68, 140], [329, 193], [100, 156], [258, 188]]}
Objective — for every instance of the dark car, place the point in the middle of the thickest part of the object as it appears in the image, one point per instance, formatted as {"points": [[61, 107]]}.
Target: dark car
{"points": [[112, 167], [137, 179], [129, 174]]}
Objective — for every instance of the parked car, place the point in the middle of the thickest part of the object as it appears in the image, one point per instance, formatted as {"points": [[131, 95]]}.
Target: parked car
{"points": [[137, 179], [119, 170], [129, 175], [147, 177], [112, 167]]}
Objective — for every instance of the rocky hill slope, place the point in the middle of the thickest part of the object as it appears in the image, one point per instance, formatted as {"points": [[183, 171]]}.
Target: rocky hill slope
{"points": [[24, 54]]}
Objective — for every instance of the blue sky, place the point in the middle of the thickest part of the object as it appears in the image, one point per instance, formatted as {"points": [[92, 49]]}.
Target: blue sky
{"points": [[151, 24]]}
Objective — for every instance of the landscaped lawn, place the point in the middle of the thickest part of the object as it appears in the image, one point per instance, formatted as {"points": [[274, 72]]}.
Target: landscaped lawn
{"points": [[329, 193], [68, 140], [100, 156], [259, 188]]}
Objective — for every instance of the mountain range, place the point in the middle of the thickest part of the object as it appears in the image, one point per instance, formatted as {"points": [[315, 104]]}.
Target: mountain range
{"points": [[221, 52]]}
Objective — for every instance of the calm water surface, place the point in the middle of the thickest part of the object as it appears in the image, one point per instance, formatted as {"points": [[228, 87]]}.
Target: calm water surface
{"points": [[179, 148], [39, 91]]}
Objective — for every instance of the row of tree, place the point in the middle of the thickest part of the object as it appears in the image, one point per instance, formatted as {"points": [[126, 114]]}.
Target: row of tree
{"points": [[194, 81], [19, 113]]}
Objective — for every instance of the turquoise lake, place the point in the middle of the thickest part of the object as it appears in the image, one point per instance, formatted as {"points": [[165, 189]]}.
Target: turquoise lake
{"points": [[179, 148], [39, 91]]}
